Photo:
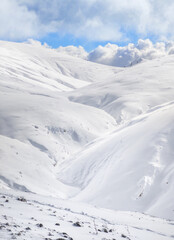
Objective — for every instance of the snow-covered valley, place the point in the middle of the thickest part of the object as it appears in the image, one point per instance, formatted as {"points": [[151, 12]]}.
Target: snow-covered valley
{"points": [[84, 142]]}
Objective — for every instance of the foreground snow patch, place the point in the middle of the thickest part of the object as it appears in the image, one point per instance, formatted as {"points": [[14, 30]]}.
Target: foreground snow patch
{"points": [[30, 216]]}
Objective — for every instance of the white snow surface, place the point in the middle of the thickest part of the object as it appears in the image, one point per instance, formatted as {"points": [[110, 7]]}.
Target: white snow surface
{"points": [[40, 217], [88, 133]]}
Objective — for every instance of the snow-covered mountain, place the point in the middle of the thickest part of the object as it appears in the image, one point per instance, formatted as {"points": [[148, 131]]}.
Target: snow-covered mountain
{"points": [[101, 135]]}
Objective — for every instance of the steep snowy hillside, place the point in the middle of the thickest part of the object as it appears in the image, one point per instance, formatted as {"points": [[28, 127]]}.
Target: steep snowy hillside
{"points": [[78, 130], [37, 119], [132, 168]]}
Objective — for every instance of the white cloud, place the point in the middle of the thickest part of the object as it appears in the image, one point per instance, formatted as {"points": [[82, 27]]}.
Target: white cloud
{"points": [[37, 43], [131, 54], [74, 51], [16, 21], [95, 20]]}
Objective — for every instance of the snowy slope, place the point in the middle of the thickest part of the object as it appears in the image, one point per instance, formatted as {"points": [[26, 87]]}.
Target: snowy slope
{"points": [[130, 169], [132, 91], [78, 130], [37, 119]]}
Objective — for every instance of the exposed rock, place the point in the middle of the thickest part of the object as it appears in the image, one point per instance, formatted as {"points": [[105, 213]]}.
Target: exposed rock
{"points": [[27, 228], [105, 230], [77, 224], [39, 225], [123, 236], [22, 199]]}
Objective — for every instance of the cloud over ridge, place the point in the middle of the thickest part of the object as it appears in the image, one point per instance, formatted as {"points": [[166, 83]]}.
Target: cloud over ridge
{"points": [[112, 54]]}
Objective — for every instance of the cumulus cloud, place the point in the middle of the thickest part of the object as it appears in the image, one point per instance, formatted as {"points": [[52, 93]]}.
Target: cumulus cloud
{"points": [[95, 20], [74, 51], [37, 43], [17, 22], [112, 54]]}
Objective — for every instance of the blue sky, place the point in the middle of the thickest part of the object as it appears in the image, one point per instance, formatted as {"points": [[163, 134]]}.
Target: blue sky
{"points": [[55, 40], [86, 22]]}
